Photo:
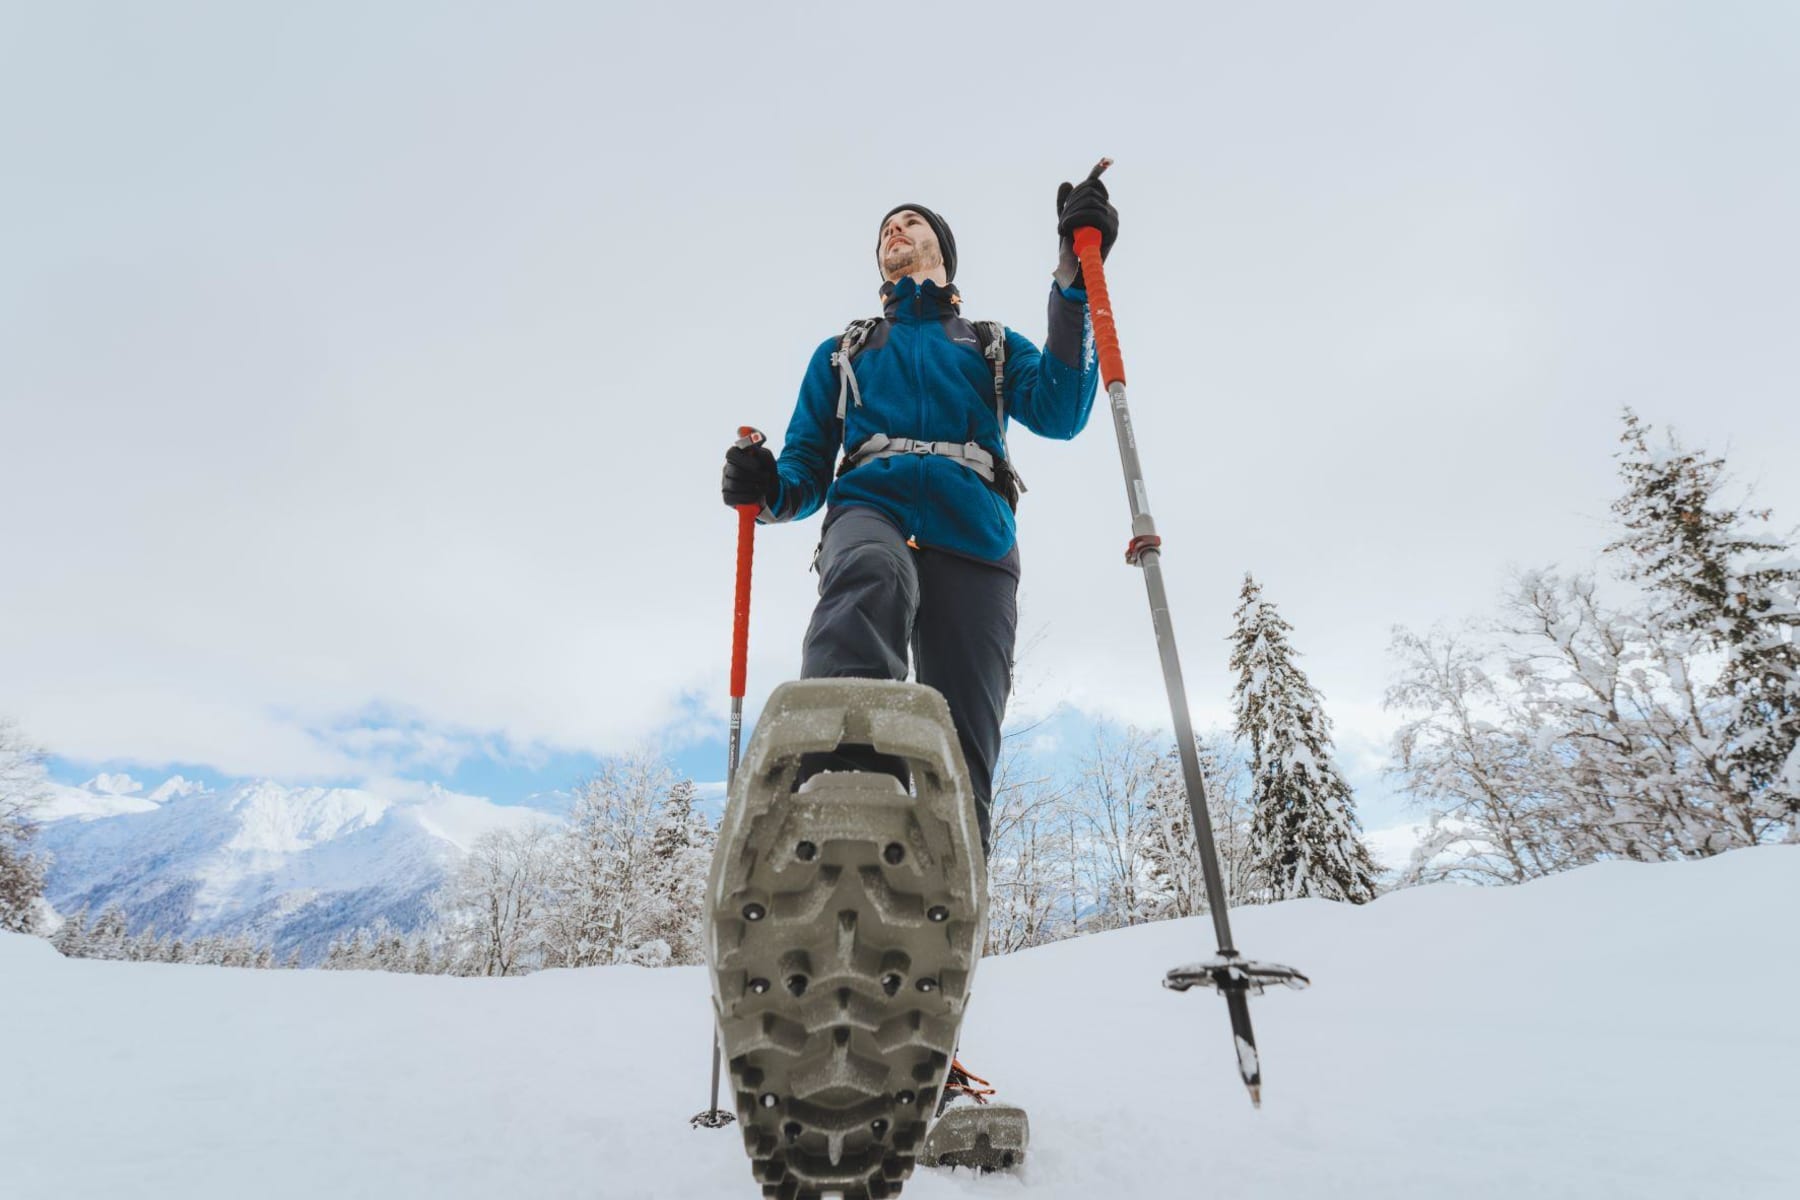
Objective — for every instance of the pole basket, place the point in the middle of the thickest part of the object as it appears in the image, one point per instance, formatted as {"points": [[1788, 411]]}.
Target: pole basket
{"points": [[1228, 974], [712, 1118]]}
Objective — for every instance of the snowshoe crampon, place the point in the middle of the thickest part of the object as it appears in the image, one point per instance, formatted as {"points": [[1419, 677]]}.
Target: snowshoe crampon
{"points": [[844, 922]]}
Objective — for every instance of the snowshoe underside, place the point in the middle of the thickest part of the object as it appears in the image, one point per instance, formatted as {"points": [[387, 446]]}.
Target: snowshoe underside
{"points": [[844, 924]]}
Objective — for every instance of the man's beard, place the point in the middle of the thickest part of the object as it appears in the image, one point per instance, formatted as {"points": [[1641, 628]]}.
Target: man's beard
{"points": [[907, 260]]}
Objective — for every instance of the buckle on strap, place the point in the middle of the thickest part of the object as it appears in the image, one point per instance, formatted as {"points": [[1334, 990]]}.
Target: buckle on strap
{"points": [[879, 445]]}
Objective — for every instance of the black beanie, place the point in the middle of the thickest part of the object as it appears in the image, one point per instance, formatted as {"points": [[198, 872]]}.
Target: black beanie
{"points": [[946, 239]]}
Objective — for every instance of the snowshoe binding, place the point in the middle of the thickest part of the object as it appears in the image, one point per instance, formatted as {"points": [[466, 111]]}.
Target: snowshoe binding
{"points": [[973, 1130], [845, 915]]}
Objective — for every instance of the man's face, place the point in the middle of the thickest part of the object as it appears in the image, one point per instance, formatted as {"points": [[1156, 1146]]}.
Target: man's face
{"points": [[908, 246]]}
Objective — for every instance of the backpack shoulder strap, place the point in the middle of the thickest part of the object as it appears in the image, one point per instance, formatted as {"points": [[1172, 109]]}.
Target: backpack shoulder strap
{"points": [[855, 335], [992, 335]]}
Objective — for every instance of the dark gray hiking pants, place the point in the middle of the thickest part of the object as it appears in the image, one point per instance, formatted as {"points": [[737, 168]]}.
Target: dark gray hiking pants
{"points": [[879, 597]]}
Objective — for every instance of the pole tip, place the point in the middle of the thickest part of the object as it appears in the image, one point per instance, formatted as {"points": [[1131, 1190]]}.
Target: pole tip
{"points": [[1099, 169]]}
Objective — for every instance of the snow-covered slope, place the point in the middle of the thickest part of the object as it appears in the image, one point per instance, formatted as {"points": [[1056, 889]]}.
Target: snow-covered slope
{"points": [[1622, 1031], [101, 796], [293, 866]]}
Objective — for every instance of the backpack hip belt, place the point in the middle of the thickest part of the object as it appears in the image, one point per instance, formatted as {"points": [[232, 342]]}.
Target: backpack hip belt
{"points": [[880, 445]]}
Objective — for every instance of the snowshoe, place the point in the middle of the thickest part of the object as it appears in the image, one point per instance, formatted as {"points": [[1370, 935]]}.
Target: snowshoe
{"points": [[845, 915], [974, 1131]]}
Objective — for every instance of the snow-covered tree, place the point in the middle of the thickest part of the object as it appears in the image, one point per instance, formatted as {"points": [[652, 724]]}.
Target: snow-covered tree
{"points": [[1305, 832], [1175, 880], [22, 789], [1660, 725], [70, 939], [682, 847], [109, 936], [1110, 809], [1029, 870], [1498, 810], [1719, 576], [492, 911], [605, 905], [1626, 738]]}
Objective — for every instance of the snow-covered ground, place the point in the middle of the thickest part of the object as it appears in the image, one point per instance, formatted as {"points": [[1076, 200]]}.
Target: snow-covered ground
{"points": [[1621, 1031]]}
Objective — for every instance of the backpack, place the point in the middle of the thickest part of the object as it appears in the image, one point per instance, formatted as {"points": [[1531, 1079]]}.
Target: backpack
{"points": [[997, 473]]}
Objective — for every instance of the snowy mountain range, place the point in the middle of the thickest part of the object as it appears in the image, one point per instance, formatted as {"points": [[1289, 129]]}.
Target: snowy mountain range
{"points": [[291, 866]]}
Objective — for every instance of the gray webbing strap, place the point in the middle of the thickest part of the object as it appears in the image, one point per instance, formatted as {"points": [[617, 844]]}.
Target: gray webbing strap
{"points": [[855, 334], [880, 445], [996, 353]]}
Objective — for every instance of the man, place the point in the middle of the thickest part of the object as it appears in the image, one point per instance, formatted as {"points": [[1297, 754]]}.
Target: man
{"points": [[918, 548], [918, 551]]}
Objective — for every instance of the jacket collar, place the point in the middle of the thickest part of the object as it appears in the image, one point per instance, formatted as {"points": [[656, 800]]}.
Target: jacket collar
{"points": [[910, 300]]}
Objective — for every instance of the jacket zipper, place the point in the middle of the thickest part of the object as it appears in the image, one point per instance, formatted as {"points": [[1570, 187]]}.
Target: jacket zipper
{"points": [[919, 390]]}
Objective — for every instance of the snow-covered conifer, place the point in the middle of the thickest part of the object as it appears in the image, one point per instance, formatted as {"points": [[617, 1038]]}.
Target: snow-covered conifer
{"points": [[1737, 592], [1305, 832], [71, 939], [682, 846], [110, 935], [22, 788]]}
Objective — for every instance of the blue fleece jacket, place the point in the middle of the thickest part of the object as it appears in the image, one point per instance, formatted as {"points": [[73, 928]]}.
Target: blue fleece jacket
{"points": [[922, 375]]}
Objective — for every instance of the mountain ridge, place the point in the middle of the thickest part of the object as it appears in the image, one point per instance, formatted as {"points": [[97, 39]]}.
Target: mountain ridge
{"points": [[287, 866]]}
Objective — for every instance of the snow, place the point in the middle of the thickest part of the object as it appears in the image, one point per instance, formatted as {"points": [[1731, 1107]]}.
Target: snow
{"points": [[460, 819], [63, 803], [174, 788], [115, 785], [1571, 1037]]}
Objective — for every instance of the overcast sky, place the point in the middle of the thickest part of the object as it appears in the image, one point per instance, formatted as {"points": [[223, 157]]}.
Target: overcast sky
{"points": [[365, 369]]}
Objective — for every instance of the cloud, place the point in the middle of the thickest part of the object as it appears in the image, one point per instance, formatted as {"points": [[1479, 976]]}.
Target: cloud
{"points": [[417, 409]]}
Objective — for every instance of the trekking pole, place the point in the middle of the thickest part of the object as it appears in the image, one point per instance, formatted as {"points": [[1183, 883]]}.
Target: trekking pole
{"points": [[716, 1117], [1229, 974]]}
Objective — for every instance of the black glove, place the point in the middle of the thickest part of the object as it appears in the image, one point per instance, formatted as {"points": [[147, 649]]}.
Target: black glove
{"points": [[1077, 205], [750, 476]]}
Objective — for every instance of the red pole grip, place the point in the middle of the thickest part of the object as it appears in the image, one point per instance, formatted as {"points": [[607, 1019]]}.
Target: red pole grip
{"points": [[740, 609], [1106, 334]]}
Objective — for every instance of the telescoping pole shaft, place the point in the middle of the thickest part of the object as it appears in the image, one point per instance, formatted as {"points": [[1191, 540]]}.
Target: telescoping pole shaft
{"points": [[1228, 973], [715, 1117], [1145, 551]]}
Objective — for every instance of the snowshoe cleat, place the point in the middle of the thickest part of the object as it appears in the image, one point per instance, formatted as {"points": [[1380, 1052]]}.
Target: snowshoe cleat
{"points": [[974, 1131], [844, 920]]}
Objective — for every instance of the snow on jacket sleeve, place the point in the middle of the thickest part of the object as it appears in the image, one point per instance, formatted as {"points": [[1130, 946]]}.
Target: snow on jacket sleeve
{"points": [[1051, 393], [809, 448]]}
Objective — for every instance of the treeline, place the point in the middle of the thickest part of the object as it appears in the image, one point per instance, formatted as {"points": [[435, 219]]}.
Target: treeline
{"points": [[21, 870], [108, 936], [1113, 843], [1649, 714], [621, 882]]}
